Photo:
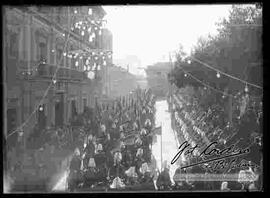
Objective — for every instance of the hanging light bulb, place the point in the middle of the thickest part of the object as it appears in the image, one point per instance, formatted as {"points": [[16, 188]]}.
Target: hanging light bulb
{"points": [[93, 53], [72, 28], [53, 50], [91, 75], [82, 33], [185, 75], [101, 53], [104, 63], [205, 88], [75, 11], [96, 57], [246, 88], [218, 75], [90, 11], [90, 39], [64, 34], [64, 53], [223, 96], [84, 27], [189, 61], [54, 81], [76, 63], [40, 108]]}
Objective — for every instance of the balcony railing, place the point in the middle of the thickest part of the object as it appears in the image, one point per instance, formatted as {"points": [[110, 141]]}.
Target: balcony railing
{"points": [[46, 70]]}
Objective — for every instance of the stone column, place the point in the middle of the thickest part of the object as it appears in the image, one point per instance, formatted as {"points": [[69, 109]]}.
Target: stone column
{"points": [[28, 43], [79, 98], [49, 108]]}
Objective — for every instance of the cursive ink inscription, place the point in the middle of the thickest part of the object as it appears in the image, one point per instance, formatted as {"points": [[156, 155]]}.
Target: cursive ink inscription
{"points": [[186, 149]]}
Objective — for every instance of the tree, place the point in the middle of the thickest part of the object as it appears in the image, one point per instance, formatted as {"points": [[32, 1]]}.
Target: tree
{"points": [[236, 50]]}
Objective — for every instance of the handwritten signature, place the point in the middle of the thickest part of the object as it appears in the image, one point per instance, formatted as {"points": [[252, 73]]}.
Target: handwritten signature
{"points": [[230, 151]]}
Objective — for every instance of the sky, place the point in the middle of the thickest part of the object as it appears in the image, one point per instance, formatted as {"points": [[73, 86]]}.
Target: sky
{"points": [[152, 32]]}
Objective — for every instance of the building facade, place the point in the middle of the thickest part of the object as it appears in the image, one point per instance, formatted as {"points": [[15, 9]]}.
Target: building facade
{"points": [[121, 82], [45, 82], [157, 78]]}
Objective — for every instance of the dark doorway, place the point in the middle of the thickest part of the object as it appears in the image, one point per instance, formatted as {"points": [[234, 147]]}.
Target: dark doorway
{"points": [[73, 109], [59, 110], [41, 117]]}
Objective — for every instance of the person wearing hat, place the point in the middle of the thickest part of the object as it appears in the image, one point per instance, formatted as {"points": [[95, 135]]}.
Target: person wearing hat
{"points": [[114, 131], [127, 158], [74, 168], [224, 186], [117, 170], [89, 149], [100, 160], [146, 180], [164, 181], [139, 161], [131, 176], [90, 173]]}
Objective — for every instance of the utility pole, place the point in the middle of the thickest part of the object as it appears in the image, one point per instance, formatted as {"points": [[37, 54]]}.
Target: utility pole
{"points": [[170, 84], [5, 29], [161, 160]]}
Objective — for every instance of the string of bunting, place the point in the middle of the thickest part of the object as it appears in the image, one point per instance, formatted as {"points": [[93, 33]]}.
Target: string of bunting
{"points": [[206, 85], [226, 74]]}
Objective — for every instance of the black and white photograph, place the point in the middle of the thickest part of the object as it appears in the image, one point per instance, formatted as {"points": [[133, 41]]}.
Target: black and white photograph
{"points": [[132, 98]]}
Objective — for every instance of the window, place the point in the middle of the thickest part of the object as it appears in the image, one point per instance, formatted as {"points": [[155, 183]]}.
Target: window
{"points": [[13, 42], [73, 108], [84, 103], [59, 56], [42, 51]]}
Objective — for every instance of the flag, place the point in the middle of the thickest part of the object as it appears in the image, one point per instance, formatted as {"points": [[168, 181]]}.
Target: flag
{"points": [[156, 131]]}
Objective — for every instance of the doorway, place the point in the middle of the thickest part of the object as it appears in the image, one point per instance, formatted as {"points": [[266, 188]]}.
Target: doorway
{"points": [[59, 110]]}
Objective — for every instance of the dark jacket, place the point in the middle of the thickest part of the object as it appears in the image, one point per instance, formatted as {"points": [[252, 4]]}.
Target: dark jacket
{"points": [[75, 164], [164, 179]]}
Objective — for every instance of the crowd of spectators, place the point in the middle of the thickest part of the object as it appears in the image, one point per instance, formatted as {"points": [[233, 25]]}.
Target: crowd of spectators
{"points": [[203, 125], [116, 152]]}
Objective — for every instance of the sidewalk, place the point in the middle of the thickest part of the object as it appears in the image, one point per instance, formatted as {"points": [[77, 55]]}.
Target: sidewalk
{"points": [[33, 179]]}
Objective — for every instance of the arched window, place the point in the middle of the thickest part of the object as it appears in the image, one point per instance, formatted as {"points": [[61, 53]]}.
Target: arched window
{"points": [[13, 44], [42, 46], [59, 54]]}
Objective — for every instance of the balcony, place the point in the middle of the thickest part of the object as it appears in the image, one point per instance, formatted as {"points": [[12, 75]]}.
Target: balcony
{"points": [[48, 71]]}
